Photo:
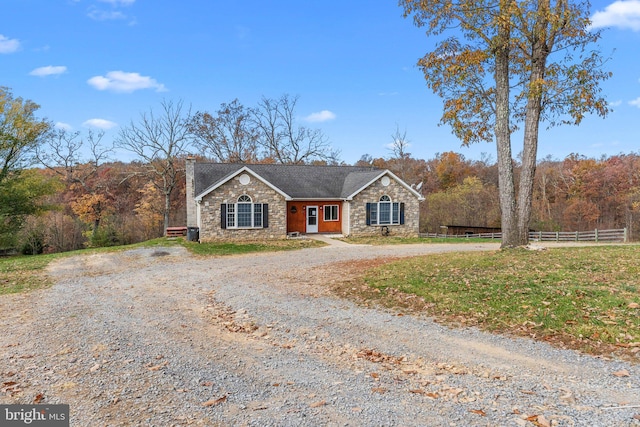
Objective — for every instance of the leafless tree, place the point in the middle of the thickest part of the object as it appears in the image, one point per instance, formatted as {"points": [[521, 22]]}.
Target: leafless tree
{"points": [[229, 137], [399, 146], [286, 142], [72, 157], [159, 140]]}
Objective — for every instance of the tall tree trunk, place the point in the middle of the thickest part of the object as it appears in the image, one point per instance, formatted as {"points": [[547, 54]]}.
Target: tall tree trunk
{"points": [[529, 154], [167, 208], [539, 53], [503, 134]]}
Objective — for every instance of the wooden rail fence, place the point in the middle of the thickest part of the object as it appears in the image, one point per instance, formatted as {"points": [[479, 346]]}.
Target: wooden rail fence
{"points": [[617, 235]]}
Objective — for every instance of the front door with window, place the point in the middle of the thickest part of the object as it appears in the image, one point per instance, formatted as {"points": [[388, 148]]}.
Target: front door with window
{"points": [[312, 219]]}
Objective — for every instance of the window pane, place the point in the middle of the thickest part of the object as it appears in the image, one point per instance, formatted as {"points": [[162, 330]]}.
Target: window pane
{"points": [[244, 214], [331, 213], [257, 215], [231, 215], [385, 213], [396, 213]]}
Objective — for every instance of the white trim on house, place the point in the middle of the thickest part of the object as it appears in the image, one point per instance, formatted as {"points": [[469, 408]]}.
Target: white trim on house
{"points": [[236, 173], [346, 218], [395, 178]]}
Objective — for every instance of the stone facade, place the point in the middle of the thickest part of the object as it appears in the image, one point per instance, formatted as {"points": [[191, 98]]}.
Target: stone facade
{"points": [[192, 219], [283, 188], [372, 194], [210, 211]]}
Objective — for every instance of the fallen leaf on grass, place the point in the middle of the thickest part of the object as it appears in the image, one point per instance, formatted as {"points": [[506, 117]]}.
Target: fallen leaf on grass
{"points": [[622, 373], [214, 402], [479, 412], [380, 390], [318, 404], [38, 398]]}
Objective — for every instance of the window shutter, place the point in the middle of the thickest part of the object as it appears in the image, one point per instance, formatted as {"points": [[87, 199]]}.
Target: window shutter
{"points": [[368, 214], [265, 215], [401, 213], [223, 216]]}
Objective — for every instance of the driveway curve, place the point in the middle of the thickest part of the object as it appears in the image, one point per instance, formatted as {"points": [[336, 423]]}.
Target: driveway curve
{"points": [[160, 337]]}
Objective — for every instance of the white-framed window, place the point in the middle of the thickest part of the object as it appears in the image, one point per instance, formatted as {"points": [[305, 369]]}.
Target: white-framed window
{"points": [[330, 212], [385, 212], [244, 214]]}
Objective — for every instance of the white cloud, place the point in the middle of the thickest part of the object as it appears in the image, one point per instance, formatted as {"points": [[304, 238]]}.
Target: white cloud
{"points": [[393, 145], [100, 124], [103, 15], [635, 102], [623, 14], [119, 81], [119, 2], [322, 116], [615, 103], [49, 70], [8, 45], [63, 126]]}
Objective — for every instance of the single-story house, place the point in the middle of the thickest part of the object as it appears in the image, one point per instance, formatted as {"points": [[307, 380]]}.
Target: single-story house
{"points": [[229, 201]]}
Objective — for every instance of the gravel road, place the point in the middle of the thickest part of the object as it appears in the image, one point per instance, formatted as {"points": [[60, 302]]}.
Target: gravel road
{"points": [[159, 337]]}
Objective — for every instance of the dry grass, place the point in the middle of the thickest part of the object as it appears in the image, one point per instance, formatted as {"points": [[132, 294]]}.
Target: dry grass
{"points": [[581, 298]]}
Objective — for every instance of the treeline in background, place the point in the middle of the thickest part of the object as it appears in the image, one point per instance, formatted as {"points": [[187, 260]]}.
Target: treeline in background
{"points": [[62, 190]]}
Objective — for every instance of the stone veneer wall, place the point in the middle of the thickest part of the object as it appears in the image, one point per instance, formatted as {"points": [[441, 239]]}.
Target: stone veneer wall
{"points": [[210, 227], [192, 219], [372, 194]]}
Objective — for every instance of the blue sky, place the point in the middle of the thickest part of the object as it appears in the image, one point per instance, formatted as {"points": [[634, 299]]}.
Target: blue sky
{"points": [[100, 63]]}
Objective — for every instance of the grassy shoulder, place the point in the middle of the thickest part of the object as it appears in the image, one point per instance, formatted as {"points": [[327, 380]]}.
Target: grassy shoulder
{"points": [[392, 240], [240, 248], [26, 273], [584, 298]]}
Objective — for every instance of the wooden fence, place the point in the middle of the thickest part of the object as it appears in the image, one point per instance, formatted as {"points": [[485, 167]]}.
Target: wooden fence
{"points": [[617, 235]]}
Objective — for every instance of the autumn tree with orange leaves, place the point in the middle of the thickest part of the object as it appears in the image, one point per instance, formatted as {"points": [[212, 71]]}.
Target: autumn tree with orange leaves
{"points": [[508, 64]]}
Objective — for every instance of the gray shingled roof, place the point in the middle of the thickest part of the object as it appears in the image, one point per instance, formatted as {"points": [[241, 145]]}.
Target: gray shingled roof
{"points": [[297, 181]]}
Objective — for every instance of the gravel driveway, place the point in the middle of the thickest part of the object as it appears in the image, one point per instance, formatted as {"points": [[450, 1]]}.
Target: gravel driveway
{"points": [[159, 337]]}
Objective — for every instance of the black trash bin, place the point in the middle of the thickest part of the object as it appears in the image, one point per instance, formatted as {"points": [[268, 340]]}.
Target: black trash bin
{"points": [[193, 234]]}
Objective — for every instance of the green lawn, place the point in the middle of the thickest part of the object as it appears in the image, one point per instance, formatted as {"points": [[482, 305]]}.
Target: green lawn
{"points": [[392, 240], [25, 273], [586, 298]]}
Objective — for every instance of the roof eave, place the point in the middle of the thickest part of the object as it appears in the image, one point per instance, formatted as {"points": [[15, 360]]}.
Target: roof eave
{"points": [[419, 196], [229, 177]]}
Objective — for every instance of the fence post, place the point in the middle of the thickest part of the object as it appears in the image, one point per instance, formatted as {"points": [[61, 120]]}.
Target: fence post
{"points": [[596, 235], [625, 235], [577, 238], [557, 236]]}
